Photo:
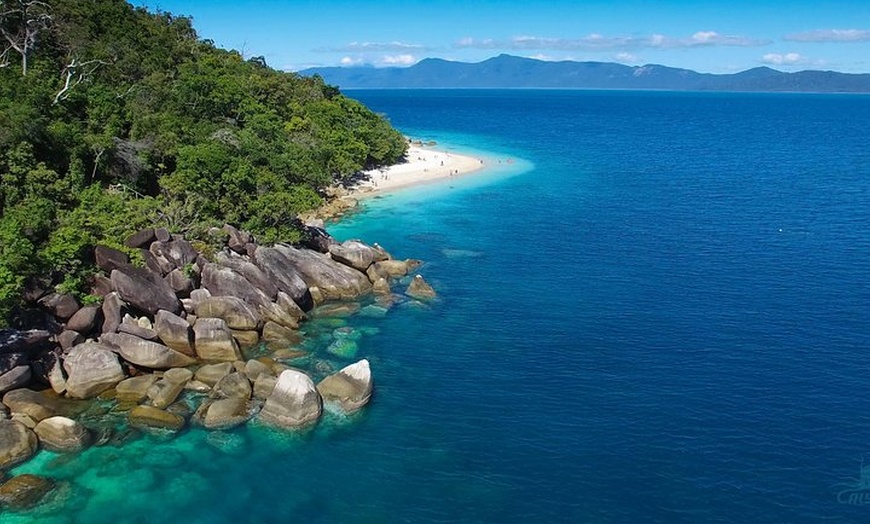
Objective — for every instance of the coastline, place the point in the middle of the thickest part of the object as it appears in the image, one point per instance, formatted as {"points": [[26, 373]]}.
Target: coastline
{"points": [[424, 164]]}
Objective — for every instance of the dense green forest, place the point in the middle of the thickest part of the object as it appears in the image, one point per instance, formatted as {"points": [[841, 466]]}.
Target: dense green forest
{"points": [[114, 118]]}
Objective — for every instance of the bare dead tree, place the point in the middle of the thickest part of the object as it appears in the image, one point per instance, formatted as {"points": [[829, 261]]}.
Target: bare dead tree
{"points": [[21, 22], [4, 56], [74, 74]]}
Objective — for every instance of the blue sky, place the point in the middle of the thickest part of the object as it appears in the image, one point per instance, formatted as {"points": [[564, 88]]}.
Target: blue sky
{"points": [[706, 36]]}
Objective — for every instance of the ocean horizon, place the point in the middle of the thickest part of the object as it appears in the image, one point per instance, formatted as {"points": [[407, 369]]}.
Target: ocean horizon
{"points": [[653, 307]]}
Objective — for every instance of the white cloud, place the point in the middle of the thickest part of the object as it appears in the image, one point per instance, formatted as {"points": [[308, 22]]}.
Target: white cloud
{"points": [[831, 35], [351, 61], [626, 57], [782, 59], [596, 41], [398, 60], [374, 47]]}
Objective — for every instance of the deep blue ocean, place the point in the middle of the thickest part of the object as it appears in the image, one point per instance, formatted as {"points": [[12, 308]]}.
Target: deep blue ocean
{"points": [[654, 307]]}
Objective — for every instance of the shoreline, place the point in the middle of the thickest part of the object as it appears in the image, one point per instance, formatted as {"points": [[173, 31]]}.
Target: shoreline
{"points": [[424, 165]]}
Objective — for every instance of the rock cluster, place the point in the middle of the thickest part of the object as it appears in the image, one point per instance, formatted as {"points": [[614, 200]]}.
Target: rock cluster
{"points": [[182, 323]]}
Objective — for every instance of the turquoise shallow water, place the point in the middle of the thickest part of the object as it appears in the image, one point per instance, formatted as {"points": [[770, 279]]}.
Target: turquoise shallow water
{"points": [[658, 313]]}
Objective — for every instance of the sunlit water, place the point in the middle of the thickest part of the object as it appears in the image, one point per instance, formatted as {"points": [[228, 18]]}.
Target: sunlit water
{"points": [[653, 307]]}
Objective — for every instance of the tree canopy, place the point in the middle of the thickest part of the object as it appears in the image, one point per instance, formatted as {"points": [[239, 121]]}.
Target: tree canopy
{"points": [[116, 118]]}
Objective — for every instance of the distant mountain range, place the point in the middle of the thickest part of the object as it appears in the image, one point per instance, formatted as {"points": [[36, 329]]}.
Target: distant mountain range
{"points": [[506, 71]]}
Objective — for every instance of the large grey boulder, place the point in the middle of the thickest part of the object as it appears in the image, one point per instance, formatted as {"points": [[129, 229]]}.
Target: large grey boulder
{"points": [[85, 320], [62, 434], [334, 280], [144, 290], [175, 332], [294, 401], [211, 374], [178, 375], [316, 238], [108, 258], [234, 385], [61, 305], [161, 234], [164, 392], [69, 338], [34, 404], [388, 269], [100, 285], [56, 378], [15, 371], [284, 274], [214, 341], [356, 254], [135, 389], [236, 239], [111, 310], [179, 282], [145, 352], [419, 288], [17, 443], [179, 252], [289, 307], [246, 268], [91, 368], [223, 281], [277, 335], [159, 264], [131, 326], [263, 386], [351, 387], [141, 238], [233, 310]]}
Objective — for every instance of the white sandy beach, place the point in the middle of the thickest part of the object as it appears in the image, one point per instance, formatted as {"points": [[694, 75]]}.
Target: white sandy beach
{"points": [[425, 164]]}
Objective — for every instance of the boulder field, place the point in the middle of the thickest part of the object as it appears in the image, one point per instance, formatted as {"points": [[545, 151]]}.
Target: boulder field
{"points": [[179, 321]]}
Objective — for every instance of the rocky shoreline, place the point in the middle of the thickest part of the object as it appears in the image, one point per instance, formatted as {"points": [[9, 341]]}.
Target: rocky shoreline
{"points": [[166, 347]]}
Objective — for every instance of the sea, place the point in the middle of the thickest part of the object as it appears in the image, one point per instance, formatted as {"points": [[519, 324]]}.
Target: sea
{"points": [[652, 307]]}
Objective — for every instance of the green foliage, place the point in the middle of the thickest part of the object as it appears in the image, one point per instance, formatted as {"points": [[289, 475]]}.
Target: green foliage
{"points": [[158, 128]]}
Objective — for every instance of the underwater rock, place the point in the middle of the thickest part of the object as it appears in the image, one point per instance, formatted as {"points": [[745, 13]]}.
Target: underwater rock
{"points": [[24, 491], [344, 347], [151, 417]]}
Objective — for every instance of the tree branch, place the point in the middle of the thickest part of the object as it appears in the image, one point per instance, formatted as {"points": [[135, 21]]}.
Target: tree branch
{"points": [[76, 72]]}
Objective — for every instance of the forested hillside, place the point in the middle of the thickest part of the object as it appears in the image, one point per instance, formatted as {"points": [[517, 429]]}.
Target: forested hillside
{"points": [[114, 118]]}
